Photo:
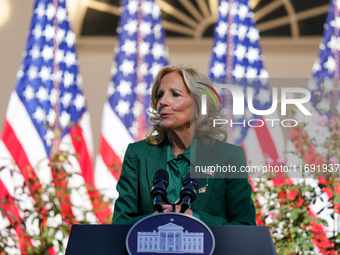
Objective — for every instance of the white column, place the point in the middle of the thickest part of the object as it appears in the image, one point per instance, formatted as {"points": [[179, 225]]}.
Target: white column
{"points": [[181, 238], [149, 244], [166, 241], [159, 241]]}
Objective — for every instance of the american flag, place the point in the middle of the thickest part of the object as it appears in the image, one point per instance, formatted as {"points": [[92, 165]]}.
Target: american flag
{"points": [[327, 62], [236, 56], [325, 75], [48, 93], [139, 55], [326, 65]]}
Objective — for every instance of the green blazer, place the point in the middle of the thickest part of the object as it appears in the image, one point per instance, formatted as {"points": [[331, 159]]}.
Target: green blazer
{"points": [[227, 199]]}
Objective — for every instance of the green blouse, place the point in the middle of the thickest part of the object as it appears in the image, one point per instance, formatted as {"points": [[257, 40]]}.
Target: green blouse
{"points": [[177, 169]]}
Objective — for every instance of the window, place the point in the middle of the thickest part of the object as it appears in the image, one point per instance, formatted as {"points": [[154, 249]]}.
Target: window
{"points": [[102, 18]]}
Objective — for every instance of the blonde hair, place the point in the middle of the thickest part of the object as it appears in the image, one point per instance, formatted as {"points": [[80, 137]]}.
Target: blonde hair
{"points": [[205, 131]]}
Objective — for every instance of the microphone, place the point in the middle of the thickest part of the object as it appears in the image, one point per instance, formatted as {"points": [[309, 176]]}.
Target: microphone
{"points": [[189, 190], [159, 190]]}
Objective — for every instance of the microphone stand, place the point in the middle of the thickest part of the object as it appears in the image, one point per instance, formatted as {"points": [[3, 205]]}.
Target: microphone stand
{"points": [[173, 205]]}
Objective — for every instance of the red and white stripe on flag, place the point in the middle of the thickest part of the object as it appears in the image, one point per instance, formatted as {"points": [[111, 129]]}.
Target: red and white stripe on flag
{"points": [[20, 143], [113, 143], [139, 55], [49, 94]]}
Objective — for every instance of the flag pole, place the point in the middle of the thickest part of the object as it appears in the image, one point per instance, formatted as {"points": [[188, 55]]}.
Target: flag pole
{"points": [[335, 92], [56, 86], [229, 65], [335, 99], [140, 78], [230, 43]]}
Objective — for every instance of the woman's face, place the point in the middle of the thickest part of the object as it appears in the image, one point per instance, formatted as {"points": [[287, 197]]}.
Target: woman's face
{"points": [[174, 104]]}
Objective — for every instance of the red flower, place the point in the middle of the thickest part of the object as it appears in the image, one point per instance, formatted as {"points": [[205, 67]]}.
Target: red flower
{"points": [[328, 191], [299, 202], [282, 194], [259, 221], [292, 194], [324, 181], [314, 159], [337, 188], [337, 208]]}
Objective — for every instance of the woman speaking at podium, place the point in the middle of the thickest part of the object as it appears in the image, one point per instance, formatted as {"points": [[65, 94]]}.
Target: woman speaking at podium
{"points": [[179, 128]]}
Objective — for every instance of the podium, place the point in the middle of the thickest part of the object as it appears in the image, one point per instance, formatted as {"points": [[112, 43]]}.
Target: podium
{"points": [[110, 239]]}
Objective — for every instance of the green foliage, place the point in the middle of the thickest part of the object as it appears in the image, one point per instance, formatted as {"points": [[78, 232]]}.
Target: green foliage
{"points": [[46, 210], [285, 210], [285, 206]]}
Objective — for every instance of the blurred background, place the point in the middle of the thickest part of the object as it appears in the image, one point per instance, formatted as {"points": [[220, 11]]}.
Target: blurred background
{"points": [[290, 30]]}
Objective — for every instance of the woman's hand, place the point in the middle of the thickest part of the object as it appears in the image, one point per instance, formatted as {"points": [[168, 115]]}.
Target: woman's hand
{"points": [[168, 208]]}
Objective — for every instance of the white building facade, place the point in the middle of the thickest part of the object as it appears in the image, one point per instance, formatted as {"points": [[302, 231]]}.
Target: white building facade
{"points": [[170, 238]]}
